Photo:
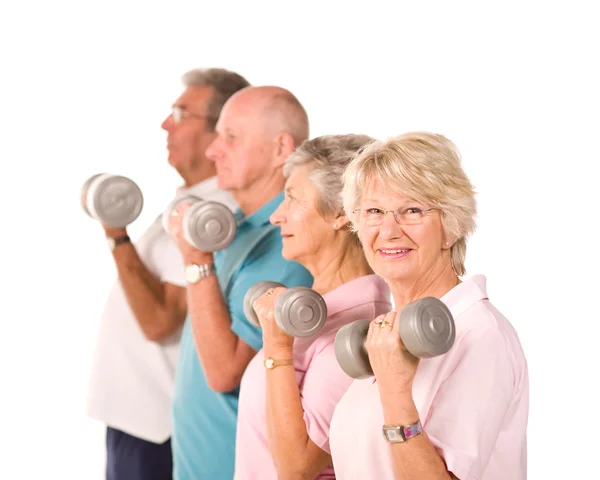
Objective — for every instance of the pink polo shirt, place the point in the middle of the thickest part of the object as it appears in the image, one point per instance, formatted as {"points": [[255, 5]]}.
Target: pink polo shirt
{"points": [[322, 382], [473, 401]]}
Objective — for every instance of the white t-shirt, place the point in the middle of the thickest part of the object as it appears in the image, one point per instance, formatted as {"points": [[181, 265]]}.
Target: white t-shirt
{"points": [[132, 381]]}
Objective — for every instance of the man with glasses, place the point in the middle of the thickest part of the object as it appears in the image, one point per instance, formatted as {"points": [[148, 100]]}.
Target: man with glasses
{"points": [[133, 374]]}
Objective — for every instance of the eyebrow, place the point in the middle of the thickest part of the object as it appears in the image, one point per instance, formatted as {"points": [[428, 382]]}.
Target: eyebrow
{"points": [[403, 204]]}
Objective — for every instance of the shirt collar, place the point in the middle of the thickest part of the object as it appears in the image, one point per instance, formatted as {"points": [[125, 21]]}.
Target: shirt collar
{"points": [[466, 294], [262, 215], [361, 290], [201, 189]]}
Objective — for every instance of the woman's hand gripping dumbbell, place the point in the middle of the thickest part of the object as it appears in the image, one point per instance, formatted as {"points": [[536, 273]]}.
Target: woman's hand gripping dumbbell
{"points": [[297, 311], [205, 225], [426, 329], [115, 201]]}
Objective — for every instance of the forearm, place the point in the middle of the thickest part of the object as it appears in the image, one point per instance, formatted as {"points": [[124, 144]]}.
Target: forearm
{"points": [[294, 454], [217, 345], [145, 294], [415, 459]]}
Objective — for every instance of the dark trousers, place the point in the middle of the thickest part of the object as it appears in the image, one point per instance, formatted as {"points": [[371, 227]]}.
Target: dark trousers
{"points": [[131, 458]]}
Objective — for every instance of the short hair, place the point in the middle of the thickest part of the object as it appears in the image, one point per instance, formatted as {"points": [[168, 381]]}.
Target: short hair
{"points": [[328, 156], [224, 84], [426, 168], [289, 115]]}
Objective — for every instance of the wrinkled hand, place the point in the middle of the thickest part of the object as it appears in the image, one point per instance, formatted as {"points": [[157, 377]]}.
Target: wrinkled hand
{"points": [[264, 306], [394, 367], [175, 225]]}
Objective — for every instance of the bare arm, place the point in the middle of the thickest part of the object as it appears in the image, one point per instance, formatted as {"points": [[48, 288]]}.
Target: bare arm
{"points": [[159, 308], [223, 355], [295, 455], [416, 458]]}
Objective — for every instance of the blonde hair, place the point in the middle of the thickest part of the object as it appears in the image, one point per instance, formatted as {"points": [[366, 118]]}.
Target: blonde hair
{"points": [[426, 168]]}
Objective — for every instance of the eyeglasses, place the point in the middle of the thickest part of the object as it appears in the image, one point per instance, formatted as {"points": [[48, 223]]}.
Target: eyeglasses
{"points": [[374, 216], [180, 113]]}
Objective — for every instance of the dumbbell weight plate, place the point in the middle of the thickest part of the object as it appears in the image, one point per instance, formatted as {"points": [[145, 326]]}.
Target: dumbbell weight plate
{"points": [[84, 190], [114, 200], [350, 349], [300, 312], [252, 294], [169, 210], [427, 328], [209, 226]]}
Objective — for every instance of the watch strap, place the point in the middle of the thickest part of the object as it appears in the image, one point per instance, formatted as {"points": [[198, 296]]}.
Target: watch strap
{"points": [[121, 239], [116, 241], [271, 363], [194, 273], [401, 433]]}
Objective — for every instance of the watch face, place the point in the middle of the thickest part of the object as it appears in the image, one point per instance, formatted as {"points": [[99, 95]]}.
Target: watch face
{"points": [[192, 273], [269, 363], [111, 243], [393, 434]]}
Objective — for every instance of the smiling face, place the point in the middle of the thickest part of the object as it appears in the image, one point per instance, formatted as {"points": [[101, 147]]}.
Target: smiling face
{"points": [[401, 253], [303, 229]]}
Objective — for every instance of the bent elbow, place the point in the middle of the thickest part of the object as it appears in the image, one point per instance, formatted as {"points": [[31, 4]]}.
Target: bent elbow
{"points": [[221, 382]]}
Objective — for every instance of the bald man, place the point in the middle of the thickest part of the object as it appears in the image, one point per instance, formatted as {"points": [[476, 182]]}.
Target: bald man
{"points": [[259, 127]]}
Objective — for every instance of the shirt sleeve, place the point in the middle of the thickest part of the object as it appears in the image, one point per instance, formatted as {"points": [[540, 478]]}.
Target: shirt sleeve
{"points": [[323, 386], [172, 269], [264, 263], [467, 412]]}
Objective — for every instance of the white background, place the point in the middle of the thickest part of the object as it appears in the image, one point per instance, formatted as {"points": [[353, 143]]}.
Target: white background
{"points": [[85, 85]]}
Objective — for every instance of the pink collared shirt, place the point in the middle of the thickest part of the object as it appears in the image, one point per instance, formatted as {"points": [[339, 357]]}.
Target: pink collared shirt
{"points": [[473, 401], [322, 382]]}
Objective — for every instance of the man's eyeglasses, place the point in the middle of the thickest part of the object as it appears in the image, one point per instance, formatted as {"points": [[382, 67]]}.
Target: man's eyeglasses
{"points": [[179, 114], [373, 216]]}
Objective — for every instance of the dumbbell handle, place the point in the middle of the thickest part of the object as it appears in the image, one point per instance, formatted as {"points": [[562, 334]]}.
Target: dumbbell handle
{"points": [[426, 328], [299, 311]]}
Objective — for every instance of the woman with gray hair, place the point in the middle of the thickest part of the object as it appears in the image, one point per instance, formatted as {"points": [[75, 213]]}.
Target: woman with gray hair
{"points": [[289, 390], [462, 414]]}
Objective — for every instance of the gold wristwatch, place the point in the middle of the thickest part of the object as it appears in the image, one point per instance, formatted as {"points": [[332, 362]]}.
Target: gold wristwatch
{"points": [[271, 363]]}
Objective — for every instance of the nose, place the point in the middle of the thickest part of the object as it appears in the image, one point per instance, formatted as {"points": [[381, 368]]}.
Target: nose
{"points": [[167, 123], [278, 216], [214, 151], [390, 228]]}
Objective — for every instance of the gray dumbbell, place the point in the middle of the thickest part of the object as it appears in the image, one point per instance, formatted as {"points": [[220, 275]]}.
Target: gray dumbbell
{"points": [[426, 328], [299, 311], [207, 226], [114, 200]]}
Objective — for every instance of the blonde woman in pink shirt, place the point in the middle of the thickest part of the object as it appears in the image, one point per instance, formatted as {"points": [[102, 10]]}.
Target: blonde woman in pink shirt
{"points": [[459, 415], [284, 412]]}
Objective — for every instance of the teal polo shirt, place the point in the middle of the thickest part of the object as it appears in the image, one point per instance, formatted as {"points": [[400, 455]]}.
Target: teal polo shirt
{"points": [[204, 421]]}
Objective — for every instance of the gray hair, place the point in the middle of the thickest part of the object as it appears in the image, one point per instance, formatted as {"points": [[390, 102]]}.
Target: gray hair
{"points": [[425, 167], [224, 84], [328, 155]]}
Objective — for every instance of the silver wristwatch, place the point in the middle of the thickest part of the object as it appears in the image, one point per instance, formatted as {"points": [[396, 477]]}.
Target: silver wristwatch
{"points": [[399, 434], [194, 273]]}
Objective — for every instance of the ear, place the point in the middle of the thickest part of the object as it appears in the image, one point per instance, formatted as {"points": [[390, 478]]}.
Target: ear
{"points": [[340, 221], [447, 243], [284, 147]]}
